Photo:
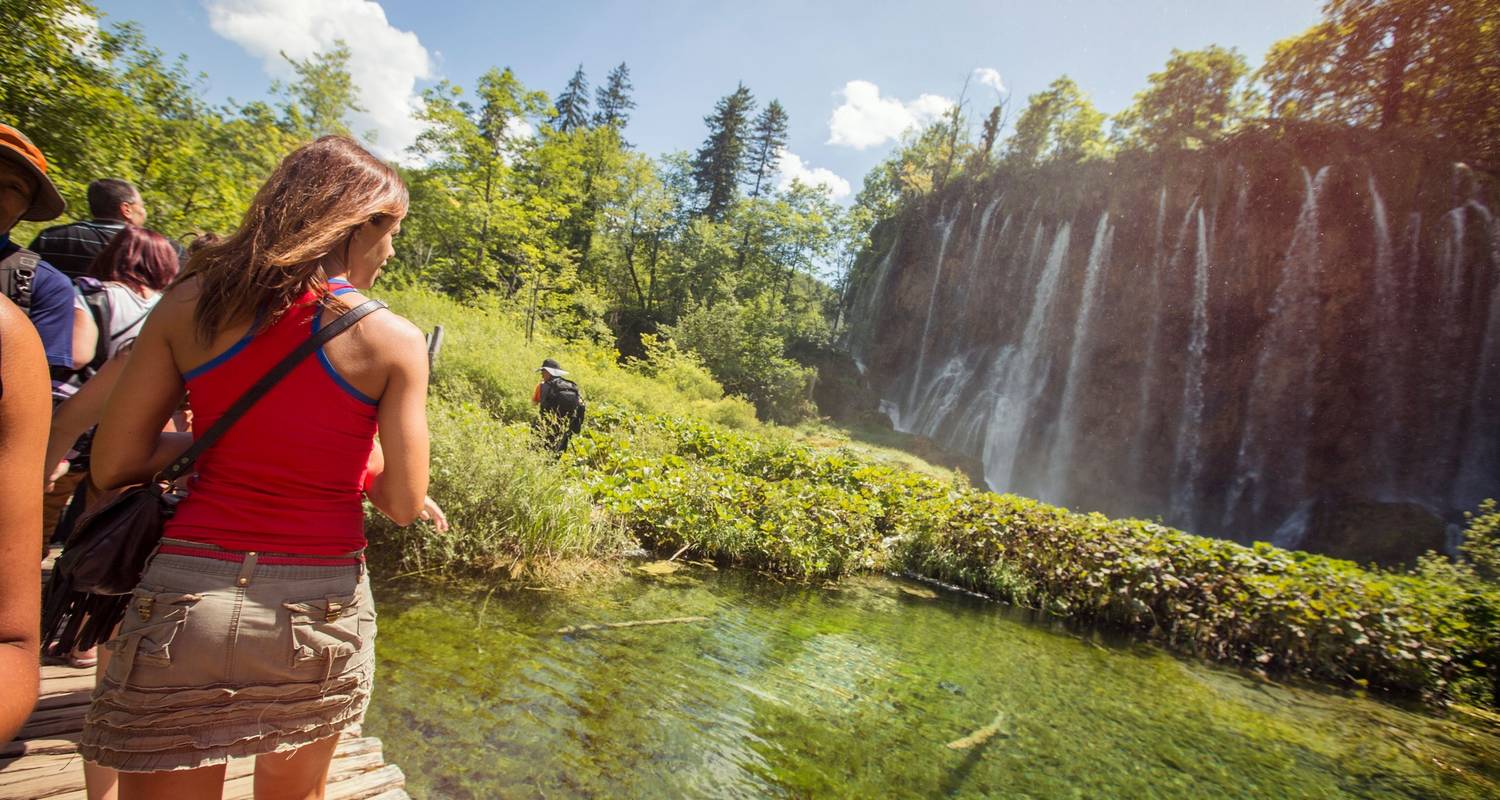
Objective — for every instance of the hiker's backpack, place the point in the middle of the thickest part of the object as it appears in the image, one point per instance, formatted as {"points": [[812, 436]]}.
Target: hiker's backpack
{"points": [[17, 273], [96, 297], [564, 400]]}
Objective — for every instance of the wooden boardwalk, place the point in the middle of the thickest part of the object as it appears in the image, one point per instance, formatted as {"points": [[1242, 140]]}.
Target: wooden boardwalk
{"points": [[42, 762]]}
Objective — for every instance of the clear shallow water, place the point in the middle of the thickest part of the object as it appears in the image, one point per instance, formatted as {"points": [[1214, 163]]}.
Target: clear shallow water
{"points": [[791, 691]]}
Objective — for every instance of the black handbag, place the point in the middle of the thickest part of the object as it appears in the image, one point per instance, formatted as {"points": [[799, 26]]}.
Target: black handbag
{"points": [[107, 550]]}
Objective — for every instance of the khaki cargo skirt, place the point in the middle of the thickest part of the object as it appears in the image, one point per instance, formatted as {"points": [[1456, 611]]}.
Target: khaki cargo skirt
{"points": [[223, 655]]}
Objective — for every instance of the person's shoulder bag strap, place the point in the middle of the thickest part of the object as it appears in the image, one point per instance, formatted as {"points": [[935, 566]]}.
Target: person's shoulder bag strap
{"points": [[346, 321]]}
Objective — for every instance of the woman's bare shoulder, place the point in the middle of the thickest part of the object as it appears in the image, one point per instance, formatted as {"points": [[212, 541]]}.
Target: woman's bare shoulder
{"points": [[387, 329]]}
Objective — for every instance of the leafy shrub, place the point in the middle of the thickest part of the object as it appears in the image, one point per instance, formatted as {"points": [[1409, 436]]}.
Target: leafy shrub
{"points": [[511, 507], [744, 351]]}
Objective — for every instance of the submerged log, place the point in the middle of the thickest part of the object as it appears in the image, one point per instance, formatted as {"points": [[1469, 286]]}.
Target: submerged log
{"points": [[599, 626], [982, 735]]}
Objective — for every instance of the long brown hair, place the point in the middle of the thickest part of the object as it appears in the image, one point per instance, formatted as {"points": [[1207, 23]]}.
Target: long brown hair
{"points": [[308, 208]]}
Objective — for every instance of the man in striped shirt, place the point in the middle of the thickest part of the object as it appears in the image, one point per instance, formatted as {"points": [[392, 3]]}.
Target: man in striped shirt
{"points": [[71, 248]]}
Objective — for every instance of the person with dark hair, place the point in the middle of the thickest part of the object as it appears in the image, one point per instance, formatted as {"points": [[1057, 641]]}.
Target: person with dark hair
{"points": [[259, 583], [560, 407], [124, 283], [113, 204], [26, 277]]}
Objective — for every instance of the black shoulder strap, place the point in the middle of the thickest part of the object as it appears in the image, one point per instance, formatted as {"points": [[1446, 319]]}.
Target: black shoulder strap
{"points": [[17, 271], [254, 393]]}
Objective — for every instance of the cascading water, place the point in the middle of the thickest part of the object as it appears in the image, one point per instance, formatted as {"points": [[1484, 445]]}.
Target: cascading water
{"points": [[1161, 260], [1188, 463], [937, 281], [1480, 462], [1017, 385], [1271, 354], [1067, 428], [1285, 368], [1387, 324]]}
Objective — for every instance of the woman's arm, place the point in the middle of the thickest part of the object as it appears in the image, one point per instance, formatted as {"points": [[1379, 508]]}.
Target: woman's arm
{"points": [[129, 446], [398, 467], [82, 411], [85, 335], [23, 425]]}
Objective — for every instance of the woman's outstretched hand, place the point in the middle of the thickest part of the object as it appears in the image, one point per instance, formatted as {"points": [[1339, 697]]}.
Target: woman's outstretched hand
{"points": [[433, 514]]}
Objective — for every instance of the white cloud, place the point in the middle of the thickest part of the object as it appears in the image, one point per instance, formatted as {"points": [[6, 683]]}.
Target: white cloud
{"points": [[88, 45], [385, 62], [792, 168], [866, 119], [991, 78]]}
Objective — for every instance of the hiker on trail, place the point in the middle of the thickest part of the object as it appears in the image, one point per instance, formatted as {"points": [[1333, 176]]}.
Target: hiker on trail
{"points": [[114, 205], [46, 295], [259, 584], [560, 407], [23, 422]]}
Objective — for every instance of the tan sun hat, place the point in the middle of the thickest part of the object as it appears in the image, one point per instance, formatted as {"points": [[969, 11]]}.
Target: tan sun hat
{"points": [[15, 147]]}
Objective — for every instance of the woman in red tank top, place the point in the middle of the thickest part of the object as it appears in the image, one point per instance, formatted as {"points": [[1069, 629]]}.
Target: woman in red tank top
{"points": [[252, 631]]}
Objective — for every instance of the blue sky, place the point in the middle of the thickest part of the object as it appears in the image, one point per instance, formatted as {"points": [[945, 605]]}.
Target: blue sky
{"points": [[851, 74]]}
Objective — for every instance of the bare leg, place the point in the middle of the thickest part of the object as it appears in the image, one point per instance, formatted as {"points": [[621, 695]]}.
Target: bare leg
{"points": [[204, 783], [299, 775], [101, 782]]}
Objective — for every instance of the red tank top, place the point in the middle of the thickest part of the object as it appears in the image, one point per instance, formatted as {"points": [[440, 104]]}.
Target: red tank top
{"points": [[286, 477]]}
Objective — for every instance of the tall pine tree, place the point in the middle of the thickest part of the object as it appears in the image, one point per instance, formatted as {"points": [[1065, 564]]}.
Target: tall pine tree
{"points": [[721, 160], [766, 143], [573, 104], [613, 99]]}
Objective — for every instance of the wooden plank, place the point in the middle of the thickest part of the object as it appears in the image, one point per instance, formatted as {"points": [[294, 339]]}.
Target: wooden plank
{"points": [[65, 743], [10, 767], [82, 682], [239, 784], [49, 776], [50, 761], [52, 672], [392, 794], [367, 784], [79, 700], [48, 728]]}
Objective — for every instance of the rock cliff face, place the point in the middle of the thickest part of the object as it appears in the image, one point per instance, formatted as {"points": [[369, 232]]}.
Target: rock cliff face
{"points": [[1241, 341]]}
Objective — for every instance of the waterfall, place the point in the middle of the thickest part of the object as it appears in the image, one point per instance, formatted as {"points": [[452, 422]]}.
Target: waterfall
{"points": [[937, 280], [939, 398], [1061, 458], [1480, 461], [859, 337], [1231, 343], [1388, 342], [975, 252], [1453, 263], [1290, 338], [1187, 466], [1015, 378], [1160, 261]]}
